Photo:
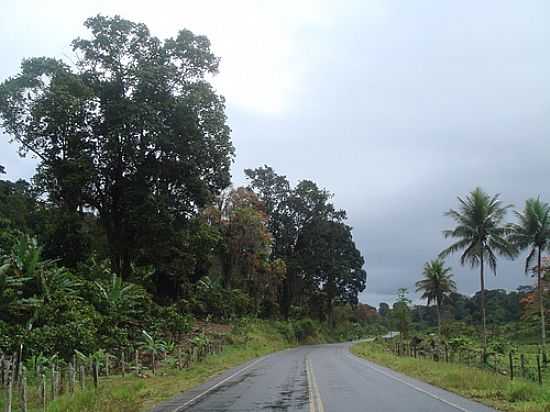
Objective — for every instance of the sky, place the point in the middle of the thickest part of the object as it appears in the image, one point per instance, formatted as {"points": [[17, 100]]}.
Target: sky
{"points": [[397, 107]]}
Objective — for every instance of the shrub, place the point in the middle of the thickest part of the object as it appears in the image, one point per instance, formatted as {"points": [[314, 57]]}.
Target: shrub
{"points": [[305, 329]]}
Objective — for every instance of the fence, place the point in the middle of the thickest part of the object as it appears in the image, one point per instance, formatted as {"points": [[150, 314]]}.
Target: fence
{"points": [[46, 383], [513, 364]]}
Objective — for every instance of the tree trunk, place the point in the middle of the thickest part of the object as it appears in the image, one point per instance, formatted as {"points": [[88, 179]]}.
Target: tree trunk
{"points": [[330, 307], [439, 317], [541, 301], [483, 318]]}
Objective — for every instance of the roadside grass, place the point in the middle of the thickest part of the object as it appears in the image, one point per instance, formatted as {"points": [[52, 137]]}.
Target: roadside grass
{"points": [[486, 387], [137, 394]]}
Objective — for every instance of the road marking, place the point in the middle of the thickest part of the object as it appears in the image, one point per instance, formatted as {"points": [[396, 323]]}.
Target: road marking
{"points": [[315, 402], [200, 395], [416, 388]]}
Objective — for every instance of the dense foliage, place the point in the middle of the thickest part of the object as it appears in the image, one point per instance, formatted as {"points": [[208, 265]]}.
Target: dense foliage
{"points": [[131, 223]]}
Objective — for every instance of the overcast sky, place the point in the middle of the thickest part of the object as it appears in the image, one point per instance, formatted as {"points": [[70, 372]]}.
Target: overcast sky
{"points": [[396, 107]]}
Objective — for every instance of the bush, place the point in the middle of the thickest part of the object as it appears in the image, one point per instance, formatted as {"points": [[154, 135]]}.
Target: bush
{"points": [[62, 326], [304, 330], [171, 322]]}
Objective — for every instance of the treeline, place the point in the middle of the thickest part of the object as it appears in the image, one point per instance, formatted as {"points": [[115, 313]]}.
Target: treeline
{"points": [[503, 307], [480, 235], [130, 221]]}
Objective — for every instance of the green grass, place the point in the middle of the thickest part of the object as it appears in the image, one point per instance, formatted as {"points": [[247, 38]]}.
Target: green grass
{"points": [[135, 394], [486, 387]]}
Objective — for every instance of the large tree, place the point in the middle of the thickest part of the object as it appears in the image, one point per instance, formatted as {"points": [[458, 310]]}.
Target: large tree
{"points": [[480, 234], [290, 211], [332, 264], [436, 285], [533, 232], [133, 131]]}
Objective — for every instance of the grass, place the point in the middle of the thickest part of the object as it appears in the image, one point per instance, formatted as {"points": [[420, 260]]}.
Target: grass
{"points": [[486, 387], [135, 394]]}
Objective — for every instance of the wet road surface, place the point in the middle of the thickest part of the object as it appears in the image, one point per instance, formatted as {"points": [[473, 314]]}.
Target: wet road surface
{"points": [[323, 378]]}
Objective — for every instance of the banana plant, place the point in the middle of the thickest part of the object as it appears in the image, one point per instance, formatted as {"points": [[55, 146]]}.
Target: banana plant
{"points": [[154, 346]]}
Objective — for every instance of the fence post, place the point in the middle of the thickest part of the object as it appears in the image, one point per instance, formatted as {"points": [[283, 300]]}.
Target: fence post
{"points": [[137, 361], [107, 364], [522, 363], [95, 373], [53, 385], [24, 397], [9, 388], [123, 364], [82, 377], [43, 392], [511, 365], [539, 370], [72, 378]]}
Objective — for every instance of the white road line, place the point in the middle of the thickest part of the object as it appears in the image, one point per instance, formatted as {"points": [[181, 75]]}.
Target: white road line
{"points": [[200, 395], [416, 388], [315, 401]]}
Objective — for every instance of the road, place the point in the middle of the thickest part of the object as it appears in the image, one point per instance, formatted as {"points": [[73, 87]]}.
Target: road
{"points": [[323, 378]]}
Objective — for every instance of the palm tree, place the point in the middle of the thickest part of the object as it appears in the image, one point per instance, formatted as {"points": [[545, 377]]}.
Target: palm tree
{"points": [[533, 232], [479, 233], [436, 285]]}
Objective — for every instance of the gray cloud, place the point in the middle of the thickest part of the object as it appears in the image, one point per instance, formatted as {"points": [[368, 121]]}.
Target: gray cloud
{"points": [[397, 107]]}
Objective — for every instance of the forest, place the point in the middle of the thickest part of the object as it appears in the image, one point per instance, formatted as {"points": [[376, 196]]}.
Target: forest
{"points": [[131, 222]]}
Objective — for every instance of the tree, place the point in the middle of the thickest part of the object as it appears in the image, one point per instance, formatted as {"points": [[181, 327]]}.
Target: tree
{"points": [[436, 285], [290, 211], [134, 132], [402, 313], [384, 309], [480, 234], [331, 263], [533, 232]]}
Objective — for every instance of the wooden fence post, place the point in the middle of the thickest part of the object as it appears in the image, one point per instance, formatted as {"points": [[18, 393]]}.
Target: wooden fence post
{"points": [[511, 365], [137, 361], [539, 370], [82, 377], [107, 365], [123, 363], [9, 389], [72, 378], [24, 396], [54, 383], [43, 392], [2, 371], [522, 364], [95, 373]]}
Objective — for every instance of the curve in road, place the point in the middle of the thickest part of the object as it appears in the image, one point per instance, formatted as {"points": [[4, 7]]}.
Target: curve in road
{"points": [[323, 378]]}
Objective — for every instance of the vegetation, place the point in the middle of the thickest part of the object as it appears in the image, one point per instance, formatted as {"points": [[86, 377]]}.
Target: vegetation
{"points": [[131, 239], [248, 339], [481, 235], [436, 286], [503, 366], [482, 385], [533, 231]]}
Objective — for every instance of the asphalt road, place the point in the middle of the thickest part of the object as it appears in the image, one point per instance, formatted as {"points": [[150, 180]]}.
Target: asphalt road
{"points": [[324, 378]]}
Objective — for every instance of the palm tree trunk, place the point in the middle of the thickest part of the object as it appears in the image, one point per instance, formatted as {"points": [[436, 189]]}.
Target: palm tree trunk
{"points": [[438, 317], [541, 300], [483, 317]]}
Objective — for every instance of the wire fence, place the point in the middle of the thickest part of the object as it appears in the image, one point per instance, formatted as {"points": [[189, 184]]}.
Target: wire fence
{"points": [[513, 364], [23, 381]]}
